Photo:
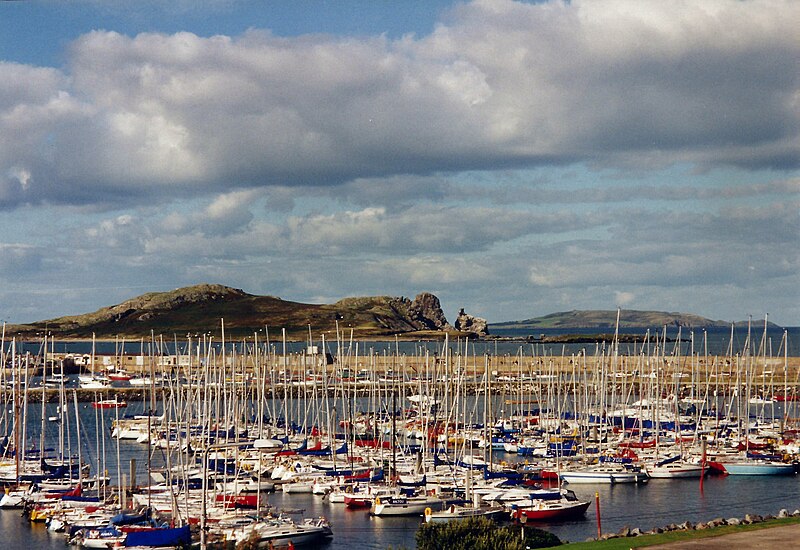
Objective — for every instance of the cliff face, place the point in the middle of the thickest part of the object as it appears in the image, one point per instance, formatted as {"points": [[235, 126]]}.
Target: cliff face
{"points": [[426, 313], [395, 314]]}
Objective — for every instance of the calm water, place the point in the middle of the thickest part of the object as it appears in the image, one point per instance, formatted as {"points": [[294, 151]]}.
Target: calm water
{"points": [[719, 342], [658, 503]]}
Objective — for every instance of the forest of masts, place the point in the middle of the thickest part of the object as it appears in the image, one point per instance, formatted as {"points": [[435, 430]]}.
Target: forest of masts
{"points": [[265, 369]]}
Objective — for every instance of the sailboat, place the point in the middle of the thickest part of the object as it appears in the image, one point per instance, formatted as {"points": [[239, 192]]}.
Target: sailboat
{"points": [[549, 506], [457, 512], [605, 473], [752, 464], [675, 468], [404, 506]]}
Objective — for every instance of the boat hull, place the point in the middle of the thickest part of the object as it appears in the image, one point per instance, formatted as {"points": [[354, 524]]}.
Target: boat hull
{"points": [[403, 507], [590, 477], [462, 513], [757, 469], [684, 471], [356, 503], [110, 404], [553, 512]]}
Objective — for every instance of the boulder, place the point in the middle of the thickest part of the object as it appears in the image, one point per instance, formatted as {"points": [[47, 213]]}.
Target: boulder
{"points": [[752, 518], [733, 521]]}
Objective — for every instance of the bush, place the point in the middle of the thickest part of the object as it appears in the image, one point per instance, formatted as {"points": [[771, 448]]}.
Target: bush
{"points": [[481, 534]]}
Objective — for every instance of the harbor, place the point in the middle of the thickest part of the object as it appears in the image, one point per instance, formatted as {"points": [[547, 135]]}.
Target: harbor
{"points": [[219, 445]]}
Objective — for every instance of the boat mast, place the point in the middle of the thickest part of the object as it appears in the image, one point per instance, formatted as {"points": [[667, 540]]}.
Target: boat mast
{"points": [[17, 407]]}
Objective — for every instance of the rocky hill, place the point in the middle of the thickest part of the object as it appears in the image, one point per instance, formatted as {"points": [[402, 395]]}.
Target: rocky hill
{"points": [[199, 309]]}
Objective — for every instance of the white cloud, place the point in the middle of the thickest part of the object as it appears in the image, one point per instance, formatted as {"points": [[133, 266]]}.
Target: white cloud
{"points": [[421, 229], [625, 84]]}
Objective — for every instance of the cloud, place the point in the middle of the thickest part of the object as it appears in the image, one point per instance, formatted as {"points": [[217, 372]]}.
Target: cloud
{"points": [[229, 212], [497, 84], [424, 229]]}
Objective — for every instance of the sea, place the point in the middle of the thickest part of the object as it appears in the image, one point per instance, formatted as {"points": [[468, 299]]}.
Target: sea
{"points": [[680, 341]]}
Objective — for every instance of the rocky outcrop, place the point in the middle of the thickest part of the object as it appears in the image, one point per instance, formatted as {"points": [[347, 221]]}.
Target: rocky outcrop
{"points": [[469, 323], [405, 315], [426, 312]]}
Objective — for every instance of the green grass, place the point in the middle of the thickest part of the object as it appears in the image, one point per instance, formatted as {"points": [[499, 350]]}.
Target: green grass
{"points": [[676, 536]]}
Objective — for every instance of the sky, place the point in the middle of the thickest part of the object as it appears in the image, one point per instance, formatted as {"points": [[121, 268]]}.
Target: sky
{"points": [[513, 158]]}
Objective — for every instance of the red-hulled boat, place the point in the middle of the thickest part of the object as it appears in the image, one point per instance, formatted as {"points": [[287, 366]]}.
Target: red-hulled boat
{"points": [[786, 397], [565, 505], [238, 501], [358, 501], [109, 404]]}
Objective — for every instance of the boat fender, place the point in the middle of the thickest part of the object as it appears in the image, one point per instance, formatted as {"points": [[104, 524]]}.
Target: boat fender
{"points": [[428, 511], [378, 501]]}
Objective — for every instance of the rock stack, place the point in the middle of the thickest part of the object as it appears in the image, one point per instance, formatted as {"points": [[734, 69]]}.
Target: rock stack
{"points": [[469, 323]]}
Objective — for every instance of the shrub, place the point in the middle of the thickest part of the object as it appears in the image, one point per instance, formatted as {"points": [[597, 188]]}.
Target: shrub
{"points": [[481, 534]]}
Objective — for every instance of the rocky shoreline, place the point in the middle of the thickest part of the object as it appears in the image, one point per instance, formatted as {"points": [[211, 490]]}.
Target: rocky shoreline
{"points": [[748, 519]]}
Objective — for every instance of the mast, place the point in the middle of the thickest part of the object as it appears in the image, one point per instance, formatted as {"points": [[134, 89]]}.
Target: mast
{"points": [[44, 396], [17, 407], [286, 387], [78, 435], [394, 435]]}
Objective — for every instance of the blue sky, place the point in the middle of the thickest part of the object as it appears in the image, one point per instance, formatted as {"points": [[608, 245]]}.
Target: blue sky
{"points": [[515, 159]]}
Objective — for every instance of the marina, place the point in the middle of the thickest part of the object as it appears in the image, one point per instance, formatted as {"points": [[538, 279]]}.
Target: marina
{"points": [[326, 446]]}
